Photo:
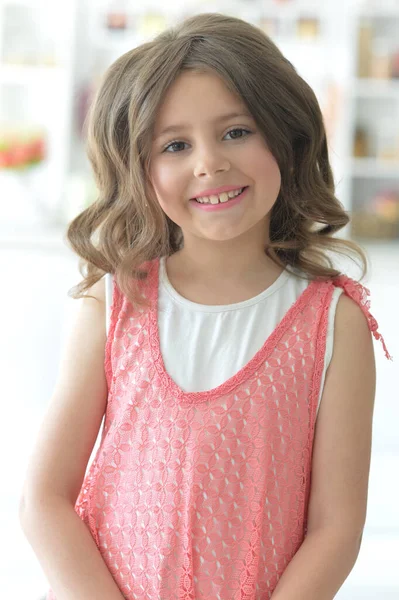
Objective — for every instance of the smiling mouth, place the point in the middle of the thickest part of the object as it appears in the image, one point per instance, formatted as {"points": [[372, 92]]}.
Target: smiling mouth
{"points": [[222, 198]]}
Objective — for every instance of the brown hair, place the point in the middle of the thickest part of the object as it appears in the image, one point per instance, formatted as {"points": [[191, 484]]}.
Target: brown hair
{"points": [[126, 226]]}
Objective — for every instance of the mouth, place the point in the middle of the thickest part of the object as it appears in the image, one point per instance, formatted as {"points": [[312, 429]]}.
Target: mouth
{"points": [[222, 198], [221, 204]]}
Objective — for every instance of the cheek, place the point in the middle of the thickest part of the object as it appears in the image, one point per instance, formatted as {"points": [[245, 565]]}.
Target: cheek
{"points": [[267, 170], [165, 182], [167, 188], [261, 165]]}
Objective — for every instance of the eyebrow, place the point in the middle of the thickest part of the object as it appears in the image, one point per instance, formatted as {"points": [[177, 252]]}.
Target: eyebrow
{"points": [[220, 119]]}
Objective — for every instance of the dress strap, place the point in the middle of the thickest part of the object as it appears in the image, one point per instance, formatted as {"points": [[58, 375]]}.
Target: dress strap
{"points": [[359, 294]]}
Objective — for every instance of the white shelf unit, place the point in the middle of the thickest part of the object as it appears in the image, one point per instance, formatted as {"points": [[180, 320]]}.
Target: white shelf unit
{"points": [[36, 92], [372, 103]]}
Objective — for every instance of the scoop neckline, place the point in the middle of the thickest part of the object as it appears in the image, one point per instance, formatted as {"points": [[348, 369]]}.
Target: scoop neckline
{"points": [[214, 308], [166, 381]]}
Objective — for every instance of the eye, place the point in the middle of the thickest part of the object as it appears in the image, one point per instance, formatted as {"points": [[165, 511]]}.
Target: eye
{"points": [[241, 129], [173, 144], [176, 145]]}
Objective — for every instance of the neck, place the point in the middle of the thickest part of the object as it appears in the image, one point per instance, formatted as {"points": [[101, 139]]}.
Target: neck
{"points": [[237, 262]]}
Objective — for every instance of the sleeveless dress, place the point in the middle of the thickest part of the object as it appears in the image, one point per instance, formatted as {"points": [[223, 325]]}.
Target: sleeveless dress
{"points": [[204, 495]]}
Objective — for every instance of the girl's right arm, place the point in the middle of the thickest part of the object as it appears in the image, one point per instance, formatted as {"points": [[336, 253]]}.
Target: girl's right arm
{"points": [[61, 541]]}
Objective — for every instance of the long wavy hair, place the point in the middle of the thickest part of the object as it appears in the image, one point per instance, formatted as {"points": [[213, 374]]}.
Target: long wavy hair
{"points": [[125, 226]]}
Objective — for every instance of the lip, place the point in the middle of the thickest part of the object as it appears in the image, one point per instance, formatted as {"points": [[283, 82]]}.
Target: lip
{"points": [[219, 190]]}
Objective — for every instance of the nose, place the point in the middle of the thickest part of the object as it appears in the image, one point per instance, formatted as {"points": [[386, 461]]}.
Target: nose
{"points": [[210, 162]]}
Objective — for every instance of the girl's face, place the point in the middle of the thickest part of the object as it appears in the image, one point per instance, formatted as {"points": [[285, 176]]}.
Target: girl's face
{"points": [[211, 141]]}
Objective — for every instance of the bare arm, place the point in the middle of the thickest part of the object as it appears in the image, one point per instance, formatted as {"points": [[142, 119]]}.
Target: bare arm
{"points": [[61, 541], [340, 466], [67, 552]]}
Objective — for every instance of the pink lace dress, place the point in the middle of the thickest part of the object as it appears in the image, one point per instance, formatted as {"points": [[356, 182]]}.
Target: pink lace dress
{"points": [[204, 495]]}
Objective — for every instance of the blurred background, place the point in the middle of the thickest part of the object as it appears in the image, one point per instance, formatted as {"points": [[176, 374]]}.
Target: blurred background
{"points": [[51, 58]]}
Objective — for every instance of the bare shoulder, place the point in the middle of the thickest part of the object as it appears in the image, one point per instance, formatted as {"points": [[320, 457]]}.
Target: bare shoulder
{"points": [[90, 314], [353, 340], [350, 315], [97, 291], [353, 353]]}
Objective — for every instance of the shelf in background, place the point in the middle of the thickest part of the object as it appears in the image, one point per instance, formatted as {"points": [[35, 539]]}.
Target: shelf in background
{"points": [[375, 88], [379, 12], [372, 168]]}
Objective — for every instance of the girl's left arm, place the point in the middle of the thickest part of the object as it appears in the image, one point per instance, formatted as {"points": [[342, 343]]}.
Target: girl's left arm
{"points": [[340, 465]]}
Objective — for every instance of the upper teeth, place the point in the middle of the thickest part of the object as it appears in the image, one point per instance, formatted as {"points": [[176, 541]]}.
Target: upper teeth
{"points": [[220, 197]]}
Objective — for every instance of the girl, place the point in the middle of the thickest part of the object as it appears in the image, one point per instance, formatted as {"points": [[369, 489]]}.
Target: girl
{"points": [[233, 364]]}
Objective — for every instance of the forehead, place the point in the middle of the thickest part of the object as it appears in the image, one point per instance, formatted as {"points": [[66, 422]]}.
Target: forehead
{"points": [[196, 97]]}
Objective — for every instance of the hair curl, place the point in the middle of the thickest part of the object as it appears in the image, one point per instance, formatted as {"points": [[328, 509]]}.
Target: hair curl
{"points": [[126, 226]]}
